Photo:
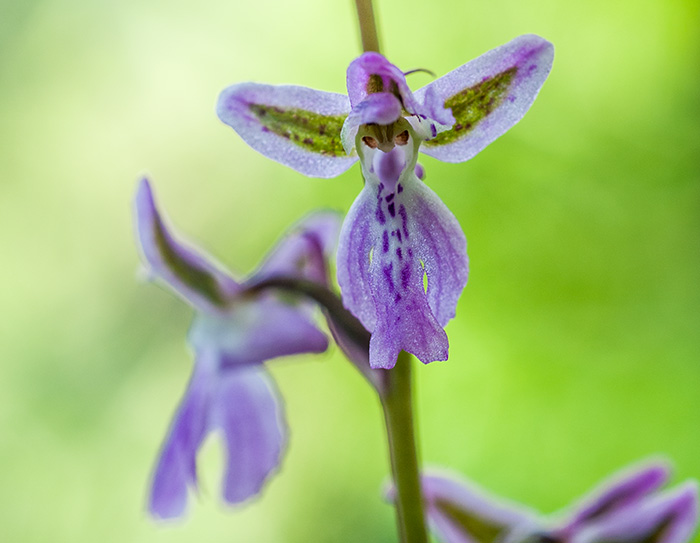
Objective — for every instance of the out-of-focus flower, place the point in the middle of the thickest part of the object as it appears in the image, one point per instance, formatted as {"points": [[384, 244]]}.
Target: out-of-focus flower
{"points": [[233, 333], [628, 508], [402, 260]]}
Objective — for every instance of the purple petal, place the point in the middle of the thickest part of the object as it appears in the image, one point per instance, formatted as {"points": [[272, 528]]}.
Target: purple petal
{"points": [[194, 276], [395, 232], [296, 126], [441, 246], [621, 491], [372, 73], [460, 512], [175, 470], [380, 108], [353, 261], [305, 249], [257, 330], [251, 418], [487, 96], [671, 517]]}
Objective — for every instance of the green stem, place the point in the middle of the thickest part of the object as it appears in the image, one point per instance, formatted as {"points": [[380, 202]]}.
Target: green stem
{"points": [[397, 402], [368, 28], [395, 395]]}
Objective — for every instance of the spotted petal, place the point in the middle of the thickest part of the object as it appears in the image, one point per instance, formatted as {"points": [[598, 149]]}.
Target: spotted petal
{"points": [[193, 275], [486, 96], [297, 126], [397, 235]]}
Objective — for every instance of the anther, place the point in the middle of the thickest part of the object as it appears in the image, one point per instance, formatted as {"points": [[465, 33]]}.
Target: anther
{"points": [[370, 142], [402, 138]]}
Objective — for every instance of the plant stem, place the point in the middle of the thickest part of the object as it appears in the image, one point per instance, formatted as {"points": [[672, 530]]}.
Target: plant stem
{"points": [[397, 401], [395, 395], [368, 28]]}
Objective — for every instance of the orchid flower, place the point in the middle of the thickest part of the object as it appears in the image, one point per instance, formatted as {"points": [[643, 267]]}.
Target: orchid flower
{"points": [[398, 234], [629, 508], [233, 333]]}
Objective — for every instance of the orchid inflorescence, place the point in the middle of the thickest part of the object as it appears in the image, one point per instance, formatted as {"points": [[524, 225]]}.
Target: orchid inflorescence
{"points": [[401, 266]]}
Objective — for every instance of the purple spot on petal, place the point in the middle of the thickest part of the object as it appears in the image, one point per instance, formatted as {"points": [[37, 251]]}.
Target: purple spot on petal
{"points": [[404, 220], [400, 188], [405, 276], [398, 234], [381, 218], [380, 188], [410, 252], [397, 299], [398, 253], [385, 242], [511, 98], [531, 68], [392, 210], [390, 197], [265, 129], [388, 276]]}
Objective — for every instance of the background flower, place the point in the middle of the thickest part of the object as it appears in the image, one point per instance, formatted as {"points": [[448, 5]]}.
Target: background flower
{"points": [[579, 327], [233, 334]]}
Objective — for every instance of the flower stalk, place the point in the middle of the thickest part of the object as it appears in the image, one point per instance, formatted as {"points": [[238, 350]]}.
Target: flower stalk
{"points": [[397, 402], [396, 394], [368, 27]]}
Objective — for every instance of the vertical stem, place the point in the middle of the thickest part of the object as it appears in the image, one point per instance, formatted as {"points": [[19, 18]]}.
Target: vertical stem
{"points": [[397, 401], [368, 28], [395, 395]]}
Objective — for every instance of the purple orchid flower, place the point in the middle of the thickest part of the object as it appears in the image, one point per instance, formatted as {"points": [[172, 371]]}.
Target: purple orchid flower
{"points": [[628, 508], [398, 234], [461, 512], [233, 333], [631, 508]]}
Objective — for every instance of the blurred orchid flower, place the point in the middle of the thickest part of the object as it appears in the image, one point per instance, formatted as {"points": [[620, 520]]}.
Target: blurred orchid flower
{"points": [[628, 508], [233, 333], [398, 234]]}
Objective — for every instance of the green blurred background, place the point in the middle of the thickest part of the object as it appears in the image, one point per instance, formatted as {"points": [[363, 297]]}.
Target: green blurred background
{"points": [[575, 349]]}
